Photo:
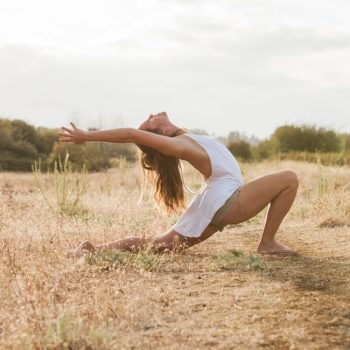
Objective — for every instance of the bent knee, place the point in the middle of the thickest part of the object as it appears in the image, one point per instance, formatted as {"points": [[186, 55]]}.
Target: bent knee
{"points": [[291, 178]]}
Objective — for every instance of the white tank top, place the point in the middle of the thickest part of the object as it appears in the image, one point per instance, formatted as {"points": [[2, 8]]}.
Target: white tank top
{"points": [[226, 178]]}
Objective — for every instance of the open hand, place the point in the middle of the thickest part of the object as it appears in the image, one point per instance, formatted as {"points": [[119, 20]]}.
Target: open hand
{"points": [[74, 135]]}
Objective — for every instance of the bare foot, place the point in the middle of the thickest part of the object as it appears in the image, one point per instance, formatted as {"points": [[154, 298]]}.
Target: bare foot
{"points": [[273, 247], [83, 248]]}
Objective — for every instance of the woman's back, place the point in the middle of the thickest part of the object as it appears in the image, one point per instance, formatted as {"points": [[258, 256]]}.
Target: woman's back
{"points": [[223, 163]]}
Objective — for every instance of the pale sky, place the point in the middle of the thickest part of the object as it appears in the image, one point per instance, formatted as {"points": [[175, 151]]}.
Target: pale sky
{"points": [[245, 65]]}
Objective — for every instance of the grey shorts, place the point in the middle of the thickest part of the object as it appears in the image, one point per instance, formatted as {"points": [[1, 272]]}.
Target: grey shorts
{"points": [[224, 210]]}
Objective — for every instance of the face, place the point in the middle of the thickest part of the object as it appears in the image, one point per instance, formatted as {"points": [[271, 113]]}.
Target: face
{"points": [[158, 123]]}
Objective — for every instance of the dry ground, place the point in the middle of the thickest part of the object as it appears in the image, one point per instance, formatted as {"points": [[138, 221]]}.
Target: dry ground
{"points": [[205, 298]]}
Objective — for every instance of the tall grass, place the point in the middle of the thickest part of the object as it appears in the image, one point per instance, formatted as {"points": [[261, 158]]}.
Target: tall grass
{"points": [[69, 187], [321, 179], [326, 158], [67, 333]]}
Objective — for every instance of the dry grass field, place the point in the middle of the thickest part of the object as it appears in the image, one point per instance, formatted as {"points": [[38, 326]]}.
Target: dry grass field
{"points": [[216, 295]]}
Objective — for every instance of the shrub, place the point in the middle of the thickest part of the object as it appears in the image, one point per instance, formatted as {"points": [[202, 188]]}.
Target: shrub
{"points": [[289, 138], [240, 149]]}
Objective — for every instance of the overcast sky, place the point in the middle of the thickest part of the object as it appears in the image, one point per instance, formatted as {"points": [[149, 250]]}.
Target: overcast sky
{"points": [[245, 65]]}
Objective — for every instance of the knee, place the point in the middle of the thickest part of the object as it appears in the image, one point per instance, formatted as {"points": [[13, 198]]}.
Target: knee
{"points": [[170, 241], [291, 178]]}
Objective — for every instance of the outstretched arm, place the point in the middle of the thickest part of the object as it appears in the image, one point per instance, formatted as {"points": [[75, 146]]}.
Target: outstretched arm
{"points": [[76, 135], [169, 146]]}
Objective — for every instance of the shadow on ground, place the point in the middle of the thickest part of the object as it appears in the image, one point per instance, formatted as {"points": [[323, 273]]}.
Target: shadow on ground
{"points": [[325, 275]]}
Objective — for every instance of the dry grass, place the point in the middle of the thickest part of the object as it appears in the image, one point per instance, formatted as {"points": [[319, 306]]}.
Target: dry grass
{"points": [[215, 295]]}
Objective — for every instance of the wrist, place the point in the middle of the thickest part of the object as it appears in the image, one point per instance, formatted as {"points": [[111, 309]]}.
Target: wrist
{"points": [[87, 136]]}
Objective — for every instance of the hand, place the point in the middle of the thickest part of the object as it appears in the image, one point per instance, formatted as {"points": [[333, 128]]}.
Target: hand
{"points": [[75, 135]]}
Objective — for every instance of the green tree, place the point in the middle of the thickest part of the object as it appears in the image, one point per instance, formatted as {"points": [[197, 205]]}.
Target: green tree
{"points": [[21, 131], [17, 151], [289, 138], [45, 140]]}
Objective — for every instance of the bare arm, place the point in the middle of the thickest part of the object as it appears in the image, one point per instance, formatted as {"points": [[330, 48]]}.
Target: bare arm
{"points": [[170, 146], [122, 135], [75, 135]]}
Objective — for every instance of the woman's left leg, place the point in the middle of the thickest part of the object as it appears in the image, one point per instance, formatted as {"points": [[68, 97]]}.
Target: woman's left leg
{"points": [[278, 190]]}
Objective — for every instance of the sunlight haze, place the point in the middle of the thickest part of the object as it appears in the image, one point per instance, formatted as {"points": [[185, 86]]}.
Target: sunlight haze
{"points": [[238, 65]]}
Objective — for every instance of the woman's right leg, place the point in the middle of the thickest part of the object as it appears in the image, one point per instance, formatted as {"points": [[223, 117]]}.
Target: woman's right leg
{"points": [[130, 244], [170, 240], [277, 189]]}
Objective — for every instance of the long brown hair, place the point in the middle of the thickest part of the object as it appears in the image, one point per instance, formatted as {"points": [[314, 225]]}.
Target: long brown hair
{"points": [[165, 174]]}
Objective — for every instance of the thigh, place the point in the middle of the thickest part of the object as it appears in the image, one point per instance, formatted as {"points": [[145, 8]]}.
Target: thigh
{"points": [[172, 239], [255, 196]]}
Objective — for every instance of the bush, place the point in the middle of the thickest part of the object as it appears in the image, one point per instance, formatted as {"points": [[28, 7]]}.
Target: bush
{"points": [[345, 140], [262, 150], [289, 138], [17, 150], [22, 144], [240, 149], [93, 156]]}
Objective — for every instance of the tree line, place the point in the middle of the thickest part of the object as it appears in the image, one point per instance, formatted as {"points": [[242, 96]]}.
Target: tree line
{"points": [[21, 144], [304, 142]]}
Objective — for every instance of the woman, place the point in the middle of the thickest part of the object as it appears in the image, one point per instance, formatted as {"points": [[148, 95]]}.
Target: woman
{"points": [[222, 201]]}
